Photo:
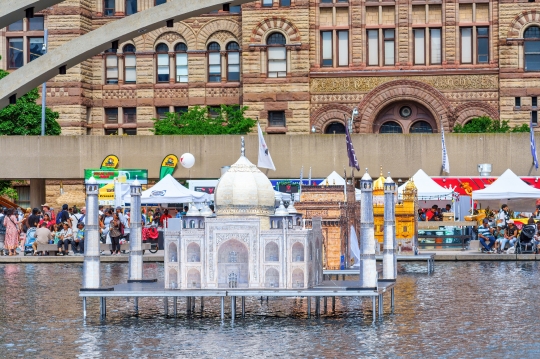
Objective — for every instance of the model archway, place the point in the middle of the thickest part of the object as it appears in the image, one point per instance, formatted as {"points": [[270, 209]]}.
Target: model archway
{"points": [[233, 260]]}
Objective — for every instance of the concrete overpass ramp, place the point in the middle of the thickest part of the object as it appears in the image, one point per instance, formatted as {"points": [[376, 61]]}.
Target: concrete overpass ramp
{"points": [[82, 48], [13, 10]]}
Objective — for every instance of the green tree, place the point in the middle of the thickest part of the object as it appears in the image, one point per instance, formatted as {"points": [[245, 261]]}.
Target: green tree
{"points": [[7, 190], [24, 117], [486, 124], [229, 120]]}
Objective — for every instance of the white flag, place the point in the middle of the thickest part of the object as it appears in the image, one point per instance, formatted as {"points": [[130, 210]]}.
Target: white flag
{"points": [[265, 160], [445, 162], [355, 248]]}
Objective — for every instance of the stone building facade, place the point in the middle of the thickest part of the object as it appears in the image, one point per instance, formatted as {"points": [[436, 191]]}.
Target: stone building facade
{"points": [[299, 65]]}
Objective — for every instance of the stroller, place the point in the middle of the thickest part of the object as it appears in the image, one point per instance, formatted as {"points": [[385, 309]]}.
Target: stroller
{"points": [[30, 239], [525, 243], [151, 234]]}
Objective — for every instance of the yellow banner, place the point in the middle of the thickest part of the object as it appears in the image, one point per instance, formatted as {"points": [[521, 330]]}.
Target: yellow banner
{"points": [[111, 161], [168, 165]]}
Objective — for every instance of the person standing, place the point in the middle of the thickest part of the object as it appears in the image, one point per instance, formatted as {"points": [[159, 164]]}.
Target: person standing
{"points": [[504, 215], [63, 216], [12, 232], [33, 219], [164, 218], [2, 230], [115, 233]]}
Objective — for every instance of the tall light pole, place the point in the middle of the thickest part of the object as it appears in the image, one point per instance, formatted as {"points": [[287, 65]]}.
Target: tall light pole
{"points": [[44, 87]]}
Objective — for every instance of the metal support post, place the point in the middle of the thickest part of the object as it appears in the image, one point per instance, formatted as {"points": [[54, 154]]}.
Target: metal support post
{"points": [[317, 306], [188, 305], [380, 306], [325, 304], [333, 304], [233, 307], [374, 308], [243, 307], [84, 307], [136, 304], [202, 304], [392, 300], [222, 308], [308, 307], [193, 304], [166, 305], [175, 306]]}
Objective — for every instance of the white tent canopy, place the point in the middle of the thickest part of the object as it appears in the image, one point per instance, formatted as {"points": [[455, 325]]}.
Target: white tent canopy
{"points": [[333, 179], [427, 188], [509, 189], [169, 190]]}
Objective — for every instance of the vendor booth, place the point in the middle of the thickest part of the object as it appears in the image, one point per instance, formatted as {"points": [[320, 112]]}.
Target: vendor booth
{"points": [[447, 234], [169, 190], [509, 189]]}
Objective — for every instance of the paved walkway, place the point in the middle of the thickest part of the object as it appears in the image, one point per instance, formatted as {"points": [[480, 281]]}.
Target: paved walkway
{"points": [[441, 256]]}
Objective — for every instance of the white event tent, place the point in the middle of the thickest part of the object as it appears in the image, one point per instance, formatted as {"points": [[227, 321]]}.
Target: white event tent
{"points": [[335, 179], [427, 188], [509, 189], [169, 190]]}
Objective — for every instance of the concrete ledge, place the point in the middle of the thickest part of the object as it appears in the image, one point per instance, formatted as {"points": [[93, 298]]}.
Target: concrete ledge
{"points": [[74, 259]]}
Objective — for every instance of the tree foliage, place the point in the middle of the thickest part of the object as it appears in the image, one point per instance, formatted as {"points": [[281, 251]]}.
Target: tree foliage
{"points": [[24, 117], [486, 124], [228, 120], [7, 190]]}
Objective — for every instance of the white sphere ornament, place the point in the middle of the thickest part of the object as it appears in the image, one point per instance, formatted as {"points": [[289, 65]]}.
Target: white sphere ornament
{"points": [[187, 160]]}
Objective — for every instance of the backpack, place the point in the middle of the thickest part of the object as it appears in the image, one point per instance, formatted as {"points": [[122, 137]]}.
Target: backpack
{"points": [[60, 217]]}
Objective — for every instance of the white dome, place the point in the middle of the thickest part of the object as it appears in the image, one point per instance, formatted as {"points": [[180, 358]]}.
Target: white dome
{"points": [[244, 191]]}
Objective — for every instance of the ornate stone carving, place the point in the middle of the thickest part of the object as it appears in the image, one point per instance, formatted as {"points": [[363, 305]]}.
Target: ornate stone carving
{"points": [[170, 37], [223, 237], [362, 84]]}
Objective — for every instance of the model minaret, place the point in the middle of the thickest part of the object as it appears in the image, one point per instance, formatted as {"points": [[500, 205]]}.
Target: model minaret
{"points": [[91, 277], [390, 242], [135, 233], [368, 264]]}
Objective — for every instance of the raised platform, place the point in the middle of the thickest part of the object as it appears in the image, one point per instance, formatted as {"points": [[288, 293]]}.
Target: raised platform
{"points": [[326, 289]]}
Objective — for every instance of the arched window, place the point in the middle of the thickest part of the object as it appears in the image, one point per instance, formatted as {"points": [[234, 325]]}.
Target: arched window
{"points": [[181, 62], [163, 73], [130, 64], [334, 128], [391, 127], [111, 67], [421, 127], [277, 55], [214, 62], [233, 61], [532, 48]]}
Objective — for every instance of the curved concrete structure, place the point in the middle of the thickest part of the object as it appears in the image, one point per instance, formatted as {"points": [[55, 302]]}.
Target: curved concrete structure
{"points": [[13, 10], [82, 48]]}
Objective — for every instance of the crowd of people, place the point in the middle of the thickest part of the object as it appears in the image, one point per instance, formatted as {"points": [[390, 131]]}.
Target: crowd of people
{"points": [[66, 229], [500, 234]]}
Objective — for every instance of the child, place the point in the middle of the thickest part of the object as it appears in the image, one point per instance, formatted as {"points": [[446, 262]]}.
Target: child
{"points": [[56, 235], [79, 240]]}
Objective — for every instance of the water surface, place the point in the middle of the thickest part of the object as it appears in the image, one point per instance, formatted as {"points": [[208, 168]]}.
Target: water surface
{"points": [[463, 310]]}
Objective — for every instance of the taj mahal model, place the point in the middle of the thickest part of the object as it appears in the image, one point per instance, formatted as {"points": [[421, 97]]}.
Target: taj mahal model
{"points": [[249, 244]]}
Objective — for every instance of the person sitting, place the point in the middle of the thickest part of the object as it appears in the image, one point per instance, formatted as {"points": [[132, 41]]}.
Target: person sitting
{"points": [[447, 209], [43, 236], [78, 241], [433, 214], [66, 237], [498, 233], [485, 233], [510, 234], [421, 215]]}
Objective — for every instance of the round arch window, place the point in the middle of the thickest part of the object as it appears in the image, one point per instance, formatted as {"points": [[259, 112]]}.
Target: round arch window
{"points": [[421, 127], [405, 112], [335, 128], [391, 127]]}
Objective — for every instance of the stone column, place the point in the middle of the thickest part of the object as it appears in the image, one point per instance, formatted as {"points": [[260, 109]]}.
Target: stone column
{"points": [[135, 234], [368, 264], [91, 278], [37, 192], [390, 243]]}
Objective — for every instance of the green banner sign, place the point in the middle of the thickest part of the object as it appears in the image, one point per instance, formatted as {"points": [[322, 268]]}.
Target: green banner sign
{"points": [[106, 176]]}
